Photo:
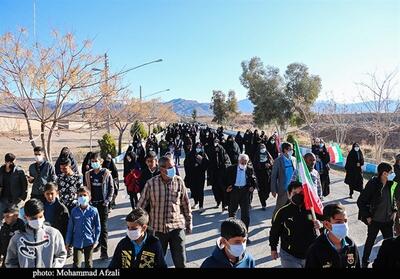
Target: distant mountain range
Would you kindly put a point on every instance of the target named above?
(185, 107)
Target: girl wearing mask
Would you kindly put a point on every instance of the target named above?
(196, 164)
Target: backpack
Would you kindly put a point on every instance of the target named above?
(132, 181)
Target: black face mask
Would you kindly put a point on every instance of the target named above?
(298, 199)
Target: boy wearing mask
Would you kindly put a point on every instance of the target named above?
(334, 248)
(140, 248)
(83, 229)
(36, 245)
(231, 247)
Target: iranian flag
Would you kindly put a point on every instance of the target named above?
(335, 153)
(311, 199)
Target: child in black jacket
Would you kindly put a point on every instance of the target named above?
(55, 213)
(139, 249)
(333, 248)
(11, 225)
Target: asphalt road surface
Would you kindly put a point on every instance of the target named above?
(201, 242)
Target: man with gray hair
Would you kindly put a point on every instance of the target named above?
(310, 159)
(241, 182)
(170, 213)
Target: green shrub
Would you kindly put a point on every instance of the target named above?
(107, 146)
(138, 128)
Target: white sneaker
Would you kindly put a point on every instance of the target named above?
(194, 206)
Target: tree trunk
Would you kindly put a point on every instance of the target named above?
(121, 133)
(28, 123)
(91, 137)
(53, 126)
(43, 139)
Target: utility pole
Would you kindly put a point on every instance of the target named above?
(108, 93)
(140, 92)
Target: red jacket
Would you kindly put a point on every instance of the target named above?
(132, 181)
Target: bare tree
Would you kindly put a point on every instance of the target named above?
(157, 112)
(49, 83)
(123, 113)
(337, 117)
(382, 105)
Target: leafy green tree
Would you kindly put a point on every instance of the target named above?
(280, 101)
(218, 105)
(194, 115)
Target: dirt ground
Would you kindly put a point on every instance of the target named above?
(78, 142)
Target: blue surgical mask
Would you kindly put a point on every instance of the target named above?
(95, 165)
(83, 200)
(237, 250)
(391, 176)
(340, 230)
(171, 172)
(198, 150)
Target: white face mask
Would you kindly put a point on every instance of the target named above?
(242, 167)
(357, 148)
(215, 143)
(36, 224)
(263, 150)
(133, 234)
(39, 158)
(290, 153)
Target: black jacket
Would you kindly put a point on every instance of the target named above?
(195, 171)
(61, 217)
(230, 177)
(323, 154)
(294, 226)
(110, 165)
(353, 172)
(19, 189)
(371, 196)
(146, 175)
(389, 254)
(233, 150)
(271, 147)
(218, 157)
(6, 233)
(151, 255)
(322, 255)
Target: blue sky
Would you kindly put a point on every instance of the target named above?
(203, 42)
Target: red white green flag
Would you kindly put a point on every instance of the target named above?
(311, 199)
(335, 153)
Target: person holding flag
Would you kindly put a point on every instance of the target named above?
(311, 199)
(334, 248)
(293, 224)
(310, 159)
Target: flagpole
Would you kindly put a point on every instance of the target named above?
(314, 218)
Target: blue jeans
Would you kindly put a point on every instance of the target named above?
(289, 261)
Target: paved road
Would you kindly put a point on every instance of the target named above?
(201, 242)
